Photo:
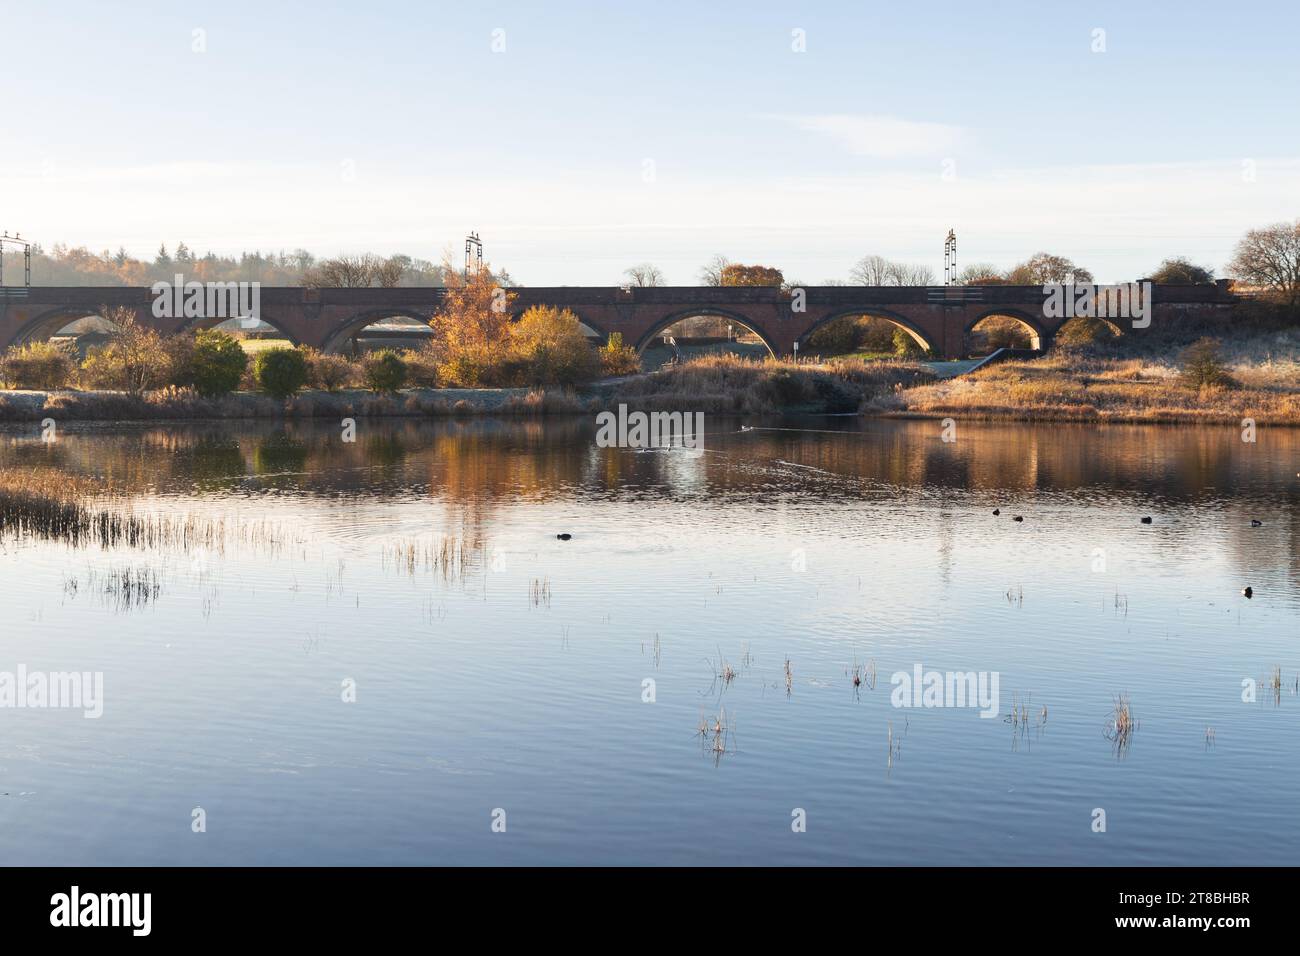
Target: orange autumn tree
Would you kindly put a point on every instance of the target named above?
(471, 328)
(548, 348)
(733, 273)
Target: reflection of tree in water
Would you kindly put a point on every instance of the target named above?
(279, 460)
(477, 467)
(385, 450)
(474, 467)
(215, 461)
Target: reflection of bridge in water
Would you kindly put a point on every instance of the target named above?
(475, 468)
(938, 318)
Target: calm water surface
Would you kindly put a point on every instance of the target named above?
(511, 675)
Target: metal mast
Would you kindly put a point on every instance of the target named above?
(16, 240)
(473, 246)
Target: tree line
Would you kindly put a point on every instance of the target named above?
(78, 266)
(1266, 260)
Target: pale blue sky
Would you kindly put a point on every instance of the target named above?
(658, 131)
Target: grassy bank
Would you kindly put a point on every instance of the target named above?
(1077, 388)
(1255, 374)
(185, 404)
(717, 383)
(726, 384)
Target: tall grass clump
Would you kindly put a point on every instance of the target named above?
(79, 511)
(1120, 725)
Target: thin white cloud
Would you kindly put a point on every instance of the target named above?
(881, 137)
(58, 173)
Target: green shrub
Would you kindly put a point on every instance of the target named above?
(907, 347)
(216, 363)
(384, 371)
(37, 365)
(836, 337)
(852, 333)
(1203, 365)
(877, 335)
(280, 372)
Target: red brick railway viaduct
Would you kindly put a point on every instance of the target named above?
(327, 319)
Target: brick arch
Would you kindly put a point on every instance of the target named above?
(336, 338)
(195, 324)
(739, 318)
(45, 325)
(1041, 336)
(1115, 329)
(907, 325)
(601, 334)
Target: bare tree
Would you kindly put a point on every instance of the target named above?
(388, 272)
(903, 273)
(877, 270)
(300, 260)
(1270, 257)
(711, 273)
(981, 273)
(344, 272)
(644, 275)
(871, 270)
(356, 272)
(1043, 268)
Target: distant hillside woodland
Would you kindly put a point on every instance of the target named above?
(63, 265)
